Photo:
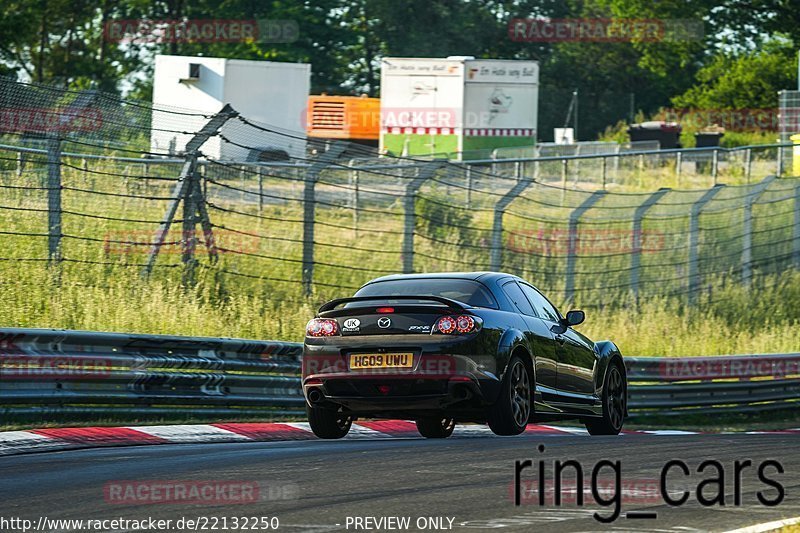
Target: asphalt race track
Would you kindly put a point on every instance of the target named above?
(316, 485)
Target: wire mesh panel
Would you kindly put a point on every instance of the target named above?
(109, 209)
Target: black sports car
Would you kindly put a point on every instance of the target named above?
(479, 347)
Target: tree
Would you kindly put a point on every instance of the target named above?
(743, 81)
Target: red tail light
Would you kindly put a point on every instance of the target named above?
(383, 310)
(465, 324)
(460, 324)
(446, 325)
(322, 327)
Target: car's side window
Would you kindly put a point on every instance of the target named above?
(543, 308)
(516, 295)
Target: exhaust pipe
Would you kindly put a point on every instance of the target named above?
(314, 396)
(462, 393)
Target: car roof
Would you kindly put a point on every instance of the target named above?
(474, 276)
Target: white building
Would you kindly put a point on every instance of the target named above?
(457, 104)
(268, 93)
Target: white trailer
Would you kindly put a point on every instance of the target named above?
(457, 105)
(269, 93)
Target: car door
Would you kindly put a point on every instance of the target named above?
(539, 336)
(575, 356)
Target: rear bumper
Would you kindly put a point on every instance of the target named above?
(374, 394)
(444, 374)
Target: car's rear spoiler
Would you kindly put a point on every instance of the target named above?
(453, 304)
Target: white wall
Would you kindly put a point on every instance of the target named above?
(270, 93)
(204, 96)
(502, 94)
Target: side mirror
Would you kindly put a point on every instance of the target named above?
(575, 317)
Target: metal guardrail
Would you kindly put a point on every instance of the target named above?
(61, 372)
(669, 386)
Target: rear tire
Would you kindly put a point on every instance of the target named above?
(436, 428)
(327, 423)
(509, 415)
(614, 404)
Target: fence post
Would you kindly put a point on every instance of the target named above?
(747, 237)
(604, 172)
(309, 209)
(409, 212)
(184, 187)
(780, 161)
(469, 187)
(188, 235)
(748, 154)
(694, 235)
(54, 199)
(636, 245)
(496, 249)
(354, 197)
(260, 189)
(20, 164)
(678, 165)
(518, 170)
(714, 165)
(572, 243)
(796, 229)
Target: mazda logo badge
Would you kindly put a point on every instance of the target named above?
(384, 322)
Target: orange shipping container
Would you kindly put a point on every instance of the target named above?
(343, 117)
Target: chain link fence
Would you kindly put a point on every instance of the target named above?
(93, 202)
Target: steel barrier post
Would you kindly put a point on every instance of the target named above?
(747, 236)
(496, 249)
(694, 235)
(572, 243)
(54, 199)
(409, 212)
(309, 209)
(780, 161)
(636, 245)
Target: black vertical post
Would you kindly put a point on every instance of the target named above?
(54, 199)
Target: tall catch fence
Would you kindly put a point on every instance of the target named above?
(86, 196)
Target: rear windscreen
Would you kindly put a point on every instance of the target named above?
(462, 290)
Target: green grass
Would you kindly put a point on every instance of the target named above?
(762, 321)
(241, 296)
